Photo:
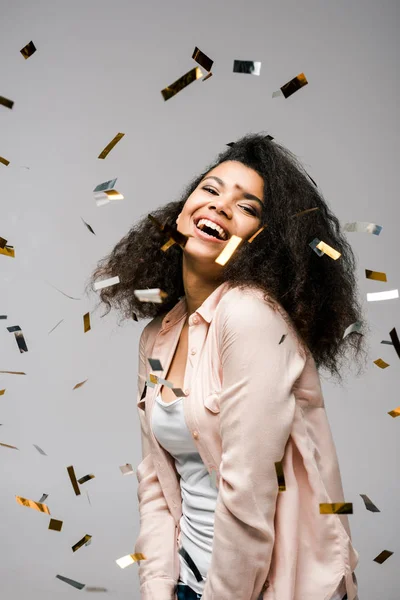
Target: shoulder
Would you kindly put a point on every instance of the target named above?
(151, 329)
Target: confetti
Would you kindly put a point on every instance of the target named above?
(106, 185)
(176, 235)
(384, 555)
(190, 563)
(88, 226)
(282, 339)
(78, 385)
(43, 498)
(155, 364)
(95, 589)
(314, 245)
(54, 287)
(156, 380)
(55, 326)
(354, 327)
(28, 50)
(207, 76)
(179, 393)
(291, 86)
(256, 234)
(86, 322)
(326, 249)
(55, 525)
(181, 83)
(104, 192)
(8, 251)
(81, 542)
(75, 584)
(40, 450)
(85, 478)
(14, 372)
(203, 60)
(6, 102)
(362, 227)
(111, 145)
(376, 296)
(19, 336)
(395, 340)
(304, 212)
(342, 508)
(2, 392)
(71, 473)
(126, 469)
(395, 412)
(381, 363)
(155, 295)
(280, 475)
(32, 504)
(250, 67)
(369, 505)
(228, 250)
(125, 561)
(8, 446)
(3, 243)
(99, 285)
(376, 275)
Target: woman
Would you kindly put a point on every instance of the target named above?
(244, 342)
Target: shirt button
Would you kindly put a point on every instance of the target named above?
(193, 351)
(195, 435)
(195, 320)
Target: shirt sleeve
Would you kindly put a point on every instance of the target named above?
(256, 414)
(157, 536)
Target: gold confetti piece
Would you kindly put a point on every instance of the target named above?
(369, 505)
(71, 473)
(203, 60)
(282, 338)
(78, 385)
(85, 478)
(40, 450)
(8, 446)
(228, 250)
(2, 392)
(155, 380)
(168, 244)
(28, 50)
(181, 83)
(86, 322)
(19, 336)
(6, 102)
(381, 363)
(95, 589)
(155, 295)
(177, 236)
(111, 145)
(99, 285)
(81, 542)
(389, 295)
(362, 227)
(155, 364)
(72, 582)
(125, 561)
(256, 234)
(342, 508)
(113, 195)
(88, 226)
(14, 372)
(326, 249)
(250, 67)
(376, 275)
(126, 469)
(395, 412)
(43, 498)
(304, 212)
(8, 251)
(55, 525)
(3, 242)
(55, 326)
(32, 504)
(207, 76)
(280, 475)
(354, 327)
(384, 555)
(395, 340)
(291, 86)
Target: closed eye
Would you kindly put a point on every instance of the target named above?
(249, 209)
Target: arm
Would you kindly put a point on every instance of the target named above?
(256, 414)
(157, 537)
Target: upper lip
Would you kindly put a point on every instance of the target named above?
(216, 221)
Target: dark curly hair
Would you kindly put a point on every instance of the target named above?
(318, 293)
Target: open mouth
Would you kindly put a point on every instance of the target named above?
(211, 230)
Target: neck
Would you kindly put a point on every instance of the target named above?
(197, 287)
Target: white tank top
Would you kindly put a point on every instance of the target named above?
(199, 496)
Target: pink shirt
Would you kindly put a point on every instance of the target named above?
(251, 402)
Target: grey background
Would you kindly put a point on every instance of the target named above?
(98, 70)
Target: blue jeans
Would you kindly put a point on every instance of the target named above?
(185, 592)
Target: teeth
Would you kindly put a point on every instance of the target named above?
(221, 232)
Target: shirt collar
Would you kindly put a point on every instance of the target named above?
(206, 310)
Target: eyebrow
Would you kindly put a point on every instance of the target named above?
(245, 194)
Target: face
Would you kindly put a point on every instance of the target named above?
(231, 195)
